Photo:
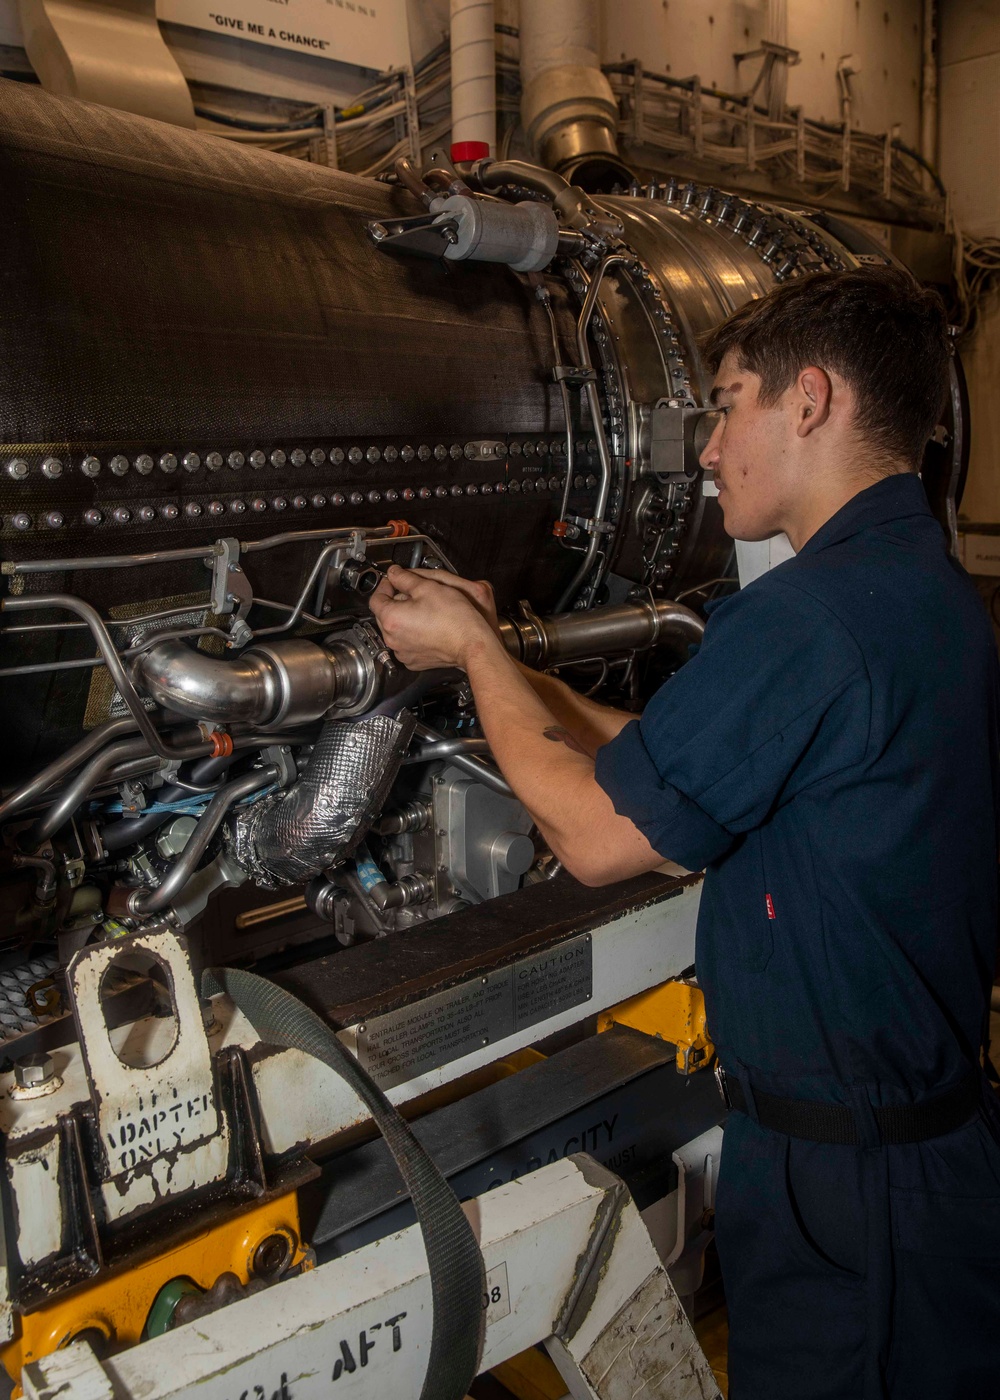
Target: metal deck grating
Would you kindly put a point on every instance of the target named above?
(16, 1014)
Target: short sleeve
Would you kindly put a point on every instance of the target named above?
(776, 698)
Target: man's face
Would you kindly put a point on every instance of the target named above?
(748, 455)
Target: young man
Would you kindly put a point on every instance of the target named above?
(830, 758)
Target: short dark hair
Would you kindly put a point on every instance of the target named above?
(876, 327)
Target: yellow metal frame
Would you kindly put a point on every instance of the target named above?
(674, 1011)
(531, 1376)
(116, 1307)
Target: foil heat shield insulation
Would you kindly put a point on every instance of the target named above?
(290, 836)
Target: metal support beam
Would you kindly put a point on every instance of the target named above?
(569, 1264)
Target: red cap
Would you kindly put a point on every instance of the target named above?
(470, 150)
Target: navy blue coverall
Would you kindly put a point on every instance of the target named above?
(830, 757)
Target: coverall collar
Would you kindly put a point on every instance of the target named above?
(893, 498)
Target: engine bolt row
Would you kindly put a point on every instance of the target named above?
(120, 465)
(193, 510)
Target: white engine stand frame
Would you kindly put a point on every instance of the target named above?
(569, 1264)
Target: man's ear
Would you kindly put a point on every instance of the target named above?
(812, 393)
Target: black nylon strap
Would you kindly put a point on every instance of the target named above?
(835, 1124)
(454, 1259)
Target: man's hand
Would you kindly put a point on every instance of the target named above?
(431, 618)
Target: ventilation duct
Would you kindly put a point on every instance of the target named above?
(567, 107)
(473, 76)
(110, 52)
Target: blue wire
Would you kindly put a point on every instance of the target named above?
(368, 872)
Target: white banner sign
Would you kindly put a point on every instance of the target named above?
(368, 33)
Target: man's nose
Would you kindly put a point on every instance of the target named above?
(709, 458)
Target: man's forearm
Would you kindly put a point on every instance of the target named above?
(552, 774)
(589, 723)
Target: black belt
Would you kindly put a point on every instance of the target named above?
(836, 1124)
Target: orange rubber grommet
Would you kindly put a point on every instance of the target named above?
(222, 743)
(399, 528)
(559, 529)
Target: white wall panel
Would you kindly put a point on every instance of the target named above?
(361, 32)
(970, 141)
(683, 37)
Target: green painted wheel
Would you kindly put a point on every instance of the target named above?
(161, 1314)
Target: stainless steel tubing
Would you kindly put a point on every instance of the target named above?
(447, 748)
(594, 403)
(482, 772)
(340, 532)
(546, 301)
(153, 901)
(122, 751)
(606, 631)
(172, 556)
(105, 561)
(322, 559)
(60, 767)
(130, 830)
(91, 662)
(106, 646)
(494, 173)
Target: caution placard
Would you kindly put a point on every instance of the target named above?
(369, 33)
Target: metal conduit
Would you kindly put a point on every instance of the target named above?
(154, 901)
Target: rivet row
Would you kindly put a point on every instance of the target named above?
(168, 462)
(193, 510)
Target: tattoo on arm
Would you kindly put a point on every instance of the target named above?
(559, 735)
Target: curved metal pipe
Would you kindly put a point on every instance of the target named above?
(132, 829)
(291, 681)
(27, 601)
(91, 774)
(64, 764)
(475, 767)
(408, 177)
(492, 173)
(322, 559)
(447, 748)
(153, 901)
(226, 689)
(614, 629)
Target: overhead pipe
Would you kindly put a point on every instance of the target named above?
(568, 110)
(929, 91)
(114, 54)
(473, 79)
